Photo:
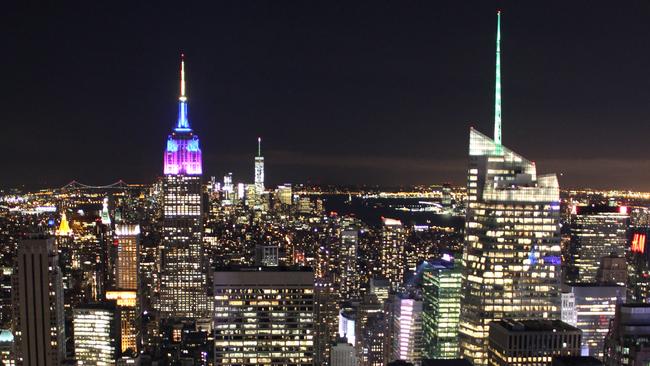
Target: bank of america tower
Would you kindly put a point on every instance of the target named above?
(512, 238)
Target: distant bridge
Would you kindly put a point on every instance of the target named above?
(120, 184)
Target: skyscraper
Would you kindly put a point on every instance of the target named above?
(594, 305)
(263, 317)
(126, 277)
(407, 329)
(531, 342)
(628, 339)
(259, 168)
(392, 252)
(596, 232)
(183, 292)
(38, 305)
(512, 239)
(441, 309)
(348, 263)
(96, 334)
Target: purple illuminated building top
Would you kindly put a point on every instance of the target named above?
(183, 154)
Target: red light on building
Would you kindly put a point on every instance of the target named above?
(638, 243)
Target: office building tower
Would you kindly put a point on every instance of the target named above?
(512, 239)
(343, 354)
(326, 319)
(372, 335)
(628, 339)
(284, 194)
(380, 287)
(127, 310)
(441, 309)
(594, 307)
(267, 255)
(638, 279)
(393, 236)
(406, 328)
(531, 342)
(349, 277)
(613, 270)
(263, 317)
(183, 276)
(348, 324)
(259, 168)
(126, 238)
(596, 232)
(38, 304)
(568, 312)
(96, 334)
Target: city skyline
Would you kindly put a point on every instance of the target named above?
(397, 91)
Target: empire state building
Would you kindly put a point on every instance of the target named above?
(183, 292)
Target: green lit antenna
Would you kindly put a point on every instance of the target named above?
(497, 89)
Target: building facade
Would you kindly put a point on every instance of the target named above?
(594, 305)
(393, 237)
(96, 334)
(263, 317)
(531, 342)
(628, 340)
(596, 232)
(441, 309)
(38, 305)
(407, 329)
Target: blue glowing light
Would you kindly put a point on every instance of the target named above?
(532, 257)
(552, 259)
(555, 206)
(193, 145)
(50, 222)
(183, 123)
(172, 145)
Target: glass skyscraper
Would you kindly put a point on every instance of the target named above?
(183, 292)
(441, 309)
(511, 261)
(512, 244)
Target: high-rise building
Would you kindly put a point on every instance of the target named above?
(392, 256)
(126, 236)
(259, 168)
(638, 279)
(183, 292)
(349, 279)
(343, 354)
(7, 348)
(441, 309)
(628, 339)
(263, 317)
(127, 311)
(407, 329)
(594, 305)
(512, 239)
(38, 305)
(96, 334)
(531, 342)
(613, 270)
(596, 232)
(372, 340)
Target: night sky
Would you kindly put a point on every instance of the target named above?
(377, 92)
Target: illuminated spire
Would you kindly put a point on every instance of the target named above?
(182, 125)
(64, 227)
(497, 89)
(259, 146)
